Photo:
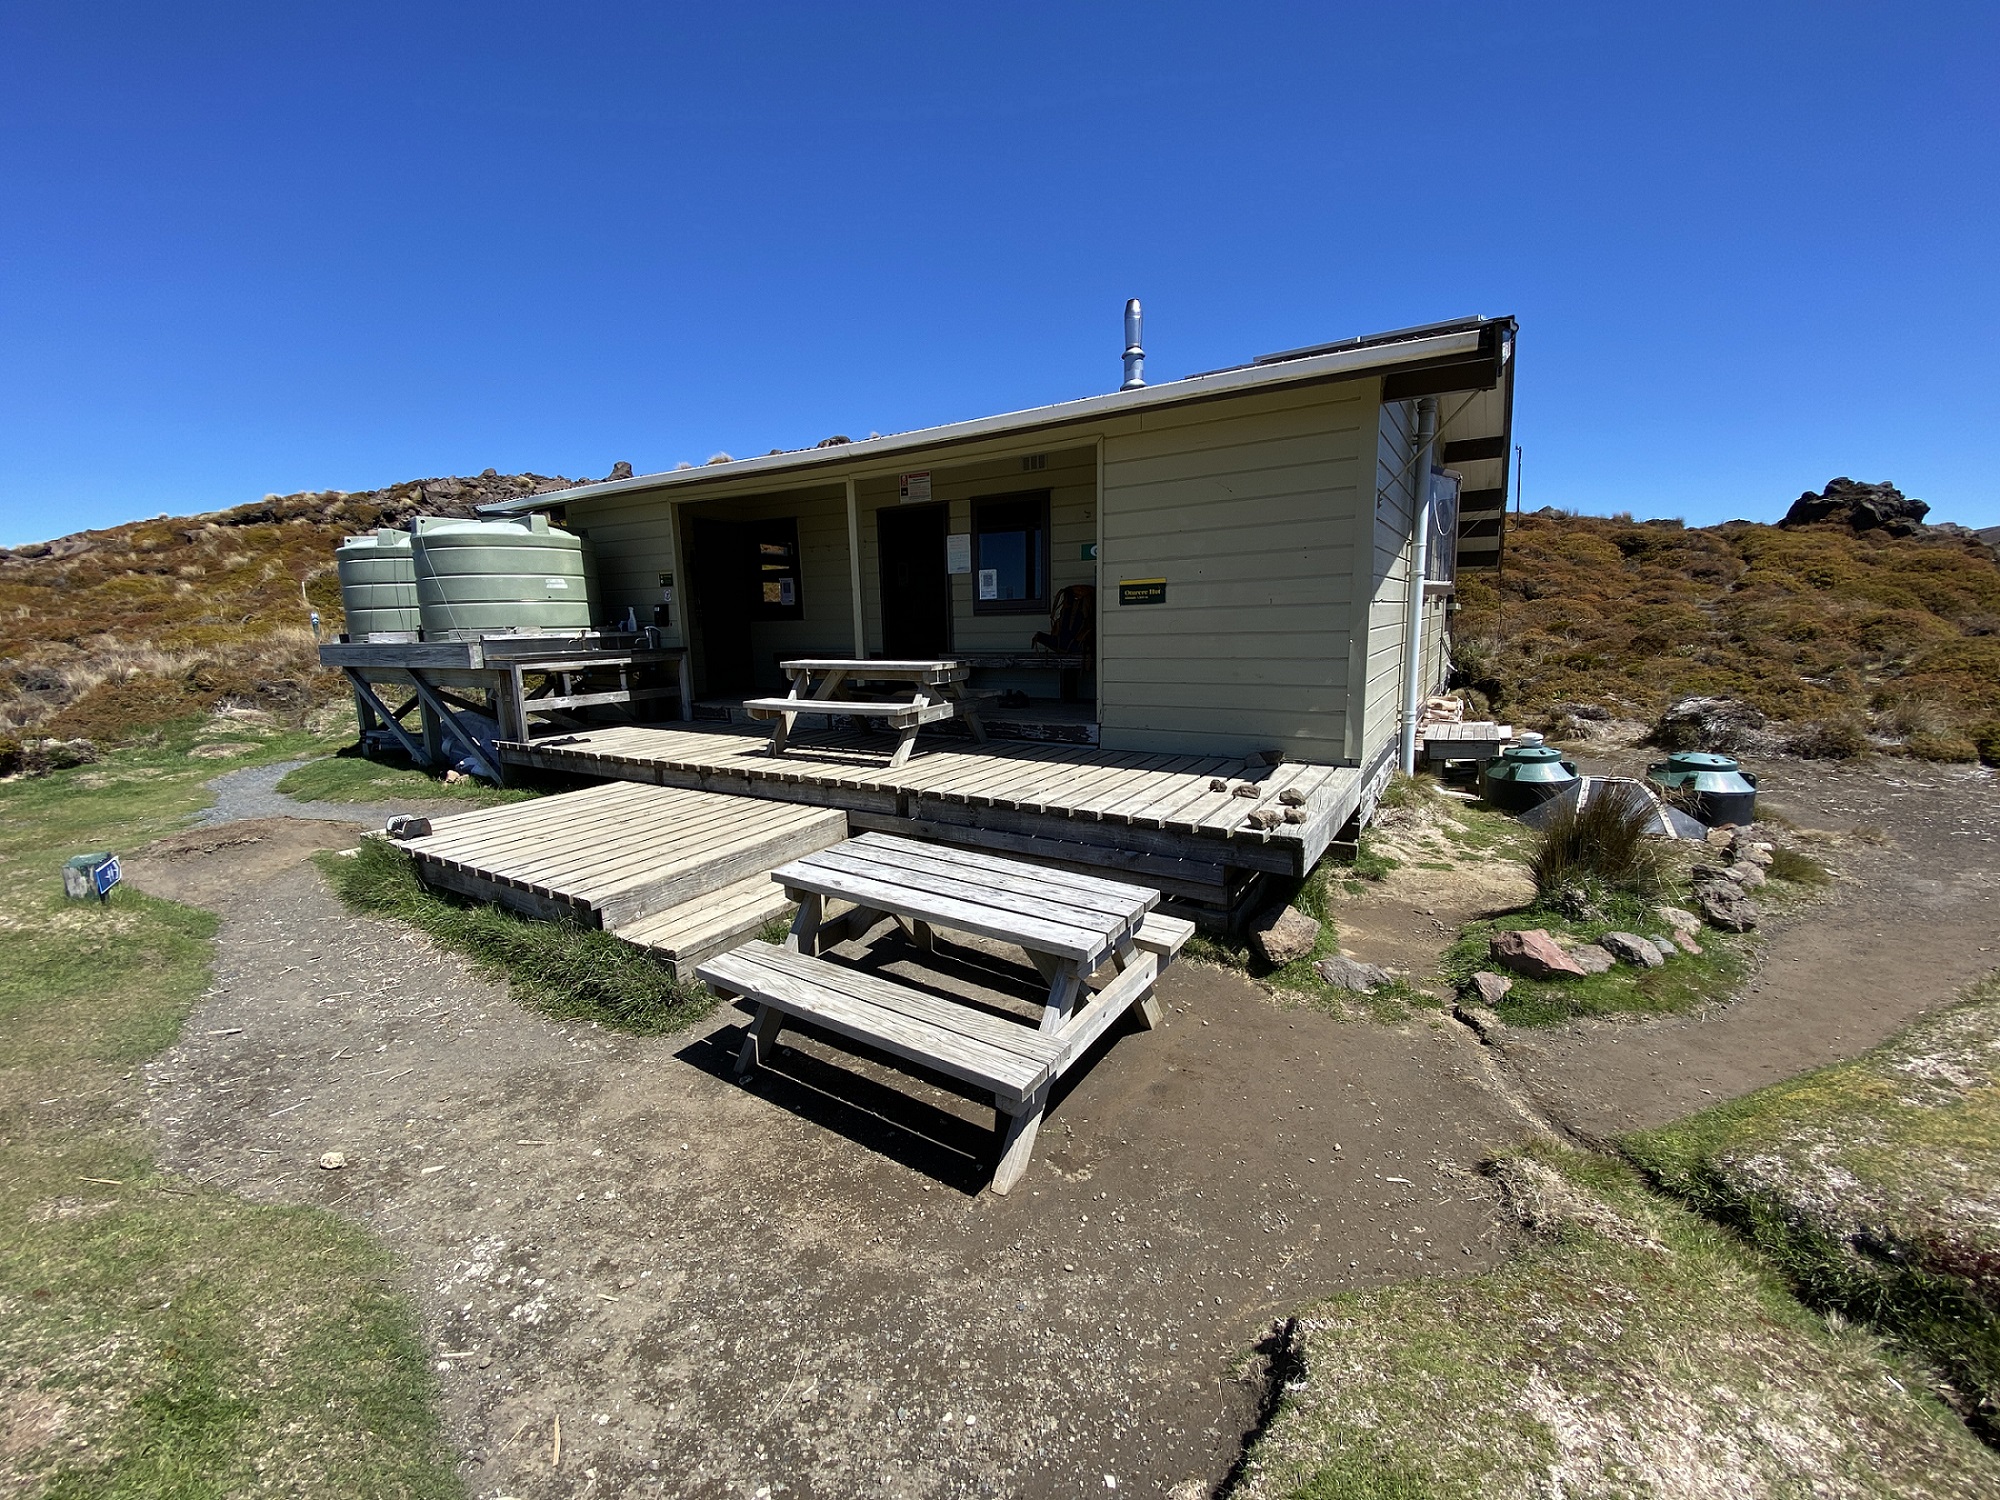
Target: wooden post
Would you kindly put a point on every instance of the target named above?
(854, 572)
(1017, 1139)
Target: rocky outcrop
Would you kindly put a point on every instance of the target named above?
(1859, 507)
(1726, 726)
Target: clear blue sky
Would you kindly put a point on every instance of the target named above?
(277, 247)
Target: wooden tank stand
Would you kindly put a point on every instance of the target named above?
(525, 683)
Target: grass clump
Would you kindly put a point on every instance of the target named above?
(349, 776)
(1686, 981)
(1629, 1348)
(563, 970)
(1600, 845)
(1798, 869)
(1870, 1183)
(159, 1337)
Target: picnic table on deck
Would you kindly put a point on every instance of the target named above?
(1076, 929)
(937, 691)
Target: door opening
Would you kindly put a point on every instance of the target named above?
(724, 575)
(916, 589)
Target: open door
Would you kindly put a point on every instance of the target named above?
(916, 589)
(723, 574)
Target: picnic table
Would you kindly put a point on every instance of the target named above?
(936, 690)
(1098, 944)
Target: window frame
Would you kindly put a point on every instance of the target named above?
(1038, 605)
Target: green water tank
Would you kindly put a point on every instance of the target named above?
(481, 577)
(378, 583)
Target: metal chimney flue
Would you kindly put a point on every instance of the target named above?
(1135, 356)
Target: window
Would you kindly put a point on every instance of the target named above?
(1441, 555)
(779, 596)
(1010, 554)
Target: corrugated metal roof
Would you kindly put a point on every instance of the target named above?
(1432, 344)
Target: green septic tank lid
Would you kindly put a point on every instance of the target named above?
(1529, 760)
(1692, 761)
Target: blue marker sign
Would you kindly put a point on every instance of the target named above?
(105, 876)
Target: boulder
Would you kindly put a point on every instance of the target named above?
(1687, 942)
(1632, 949)
(1746, 875)
(1488, 988)
(1533, 953)
(1347, 974)
(1678, 919)
(1282, 934)
(1724, 905)
(1859, 507)
(1760, 855)
(1666, 947)
(1592, 958)
(1726, 725)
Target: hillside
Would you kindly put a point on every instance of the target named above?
(105, 634)
(1823, 639)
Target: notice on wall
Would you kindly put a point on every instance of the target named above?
(989, 583)
(1089, 552)
(958, 553)
(1142, 591)
(914, 489)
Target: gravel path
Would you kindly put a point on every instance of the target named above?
(253, 793)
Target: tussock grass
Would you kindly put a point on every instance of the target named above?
(1629, 1348)
(1870, 1184)
(1798, 869)
(1601, 846)
(561, 969)
(159, 1337)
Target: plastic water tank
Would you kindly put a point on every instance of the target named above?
(477, 577)
(378, 583)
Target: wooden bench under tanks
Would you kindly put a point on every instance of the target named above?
(1076, 929)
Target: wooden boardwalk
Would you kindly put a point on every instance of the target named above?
(662, 866)
(1155, 818)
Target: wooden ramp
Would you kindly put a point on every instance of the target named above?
(686, 873)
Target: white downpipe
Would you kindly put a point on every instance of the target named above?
(1420, 546)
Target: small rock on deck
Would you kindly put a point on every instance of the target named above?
(683, 872)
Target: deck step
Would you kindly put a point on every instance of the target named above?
(684, 935)
(610, 855)
(1010, 1059)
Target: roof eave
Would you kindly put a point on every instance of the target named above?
(1339, 364)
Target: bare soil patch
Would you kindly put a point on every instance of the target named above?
(801, 1283)
(1912, 923)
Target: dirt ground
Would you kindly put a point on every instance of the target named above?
(799, 1287)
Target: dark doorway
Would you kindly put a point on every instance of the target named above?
(723, 571)
(916, 590)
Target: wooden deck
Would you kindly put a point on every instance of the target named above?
(659, 865)
(1154, 818)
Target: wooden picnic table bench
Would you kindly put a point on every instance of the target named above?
(1076, 929)
(936, 691)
